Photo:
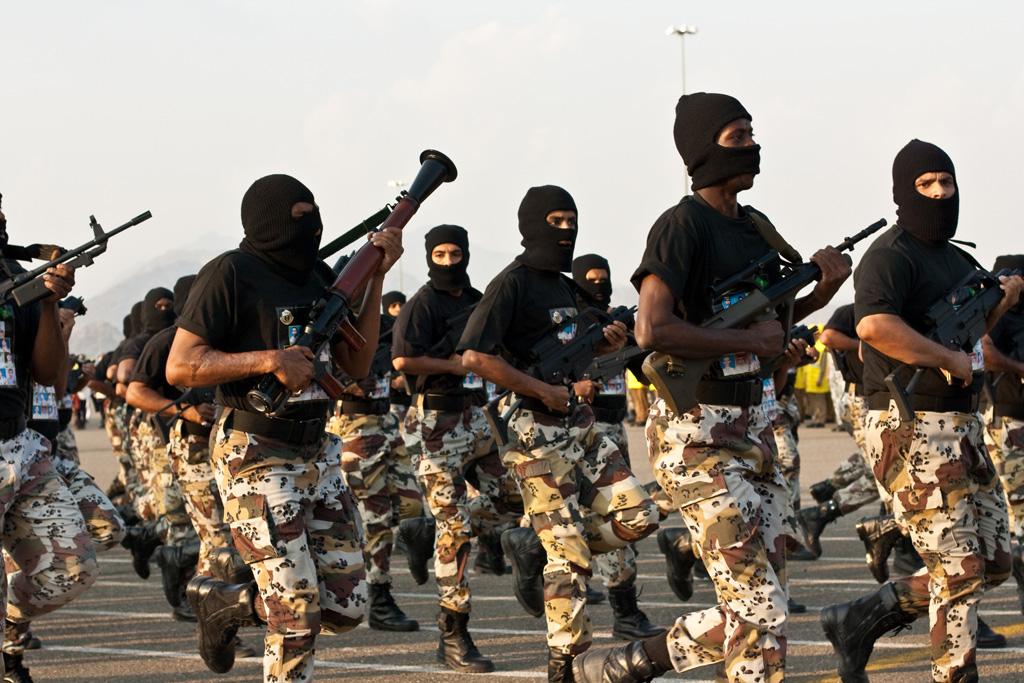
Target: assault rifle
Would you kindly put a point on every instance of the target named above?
(26, 288)
(957, 321)
(352, 234)
(676, 379)
(805, 334)
(558, 363)
(613, 364)
(332, 313)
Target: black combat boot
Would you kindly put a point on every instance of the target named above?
(385, 615)
(221, 609)
(1018, 574)
(418, 537)
(183, 611)
(528, 558)
(853, 628)
(823, 491)
(674, 544)
(595, 596)
(177, 566)
(14, 670)
(878, 535)
(794, 607)
(905, 558)
(142, 541)
(989, 639)
(228, 566)
(968, 674)
(455, 648)
(18, 636)
(814, 520)
(490, 558)
(559, 667)
(630, 623)
(626, 664)
(128, 515)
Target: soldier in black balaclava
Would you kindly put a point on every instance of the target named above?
(703, 239)
(953, 510)
(391, 303)
(244, 312)
(155, 312)
(531, 302)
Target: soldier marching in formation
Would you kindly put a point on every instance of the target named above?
(418, 426)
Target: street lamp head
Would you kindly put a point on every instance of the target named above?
(683, 30)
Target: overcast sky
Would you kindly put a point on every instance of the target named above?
(114, 107)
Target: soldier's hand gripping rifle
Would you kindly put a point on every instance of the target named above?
(26, 288)
(558, 363)
(958, 322)
(333, 313)
(676, 379)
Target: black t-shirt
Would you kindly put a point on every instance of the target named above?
(521, 306)
(691, 248)
(421, 325)
(902, 275)
(151, 367)
(238, 303)
(843, 321)
(101, 366)
(132, 347)
(1008, 337)
(18, 326)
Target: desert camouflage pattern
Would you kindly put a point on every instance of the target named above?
(618, 567)
(443, 446)
(945, 490)
(380, 476)
(48, 554)
(784, 426)
(582, 500)
(295, 523)
(190, 464)
(854, 480)
(173, 523)
(718, 466)
(139, 442)
(1005, 438)
(106, 528)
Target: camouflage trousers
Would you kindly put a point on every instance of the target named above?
(297, 526)
(618, 567)
(855, 482)
(106, 528)
(443, 446)
(784, 427)
(381, 478)
(137, 449)
(112, 427)
(173, 523)
(1005, 437)
(946, 493)
(190, 464)
(717, 464)
(48, 555)
(582, 500)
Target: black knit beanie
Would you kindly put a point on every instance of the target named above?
(541, 239)
(932, 220)
(272, 234)
(448, 278)
(597, 294)
(700, 117)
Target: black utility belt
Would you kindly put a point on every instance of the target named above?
(741, 393)
(1014, 411)
(297, 432)
(536, 405)
(608, 415)
(362, 406)
(400, 399)
(929, 404)
(452, 403)
(193, 429)
(11, 428)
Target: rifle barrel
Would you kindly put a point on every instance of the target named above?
(352, 234)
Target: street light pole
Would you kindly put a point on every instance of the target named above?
(683, 31)
(399, 185)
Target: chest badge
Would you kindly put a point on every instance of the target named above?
(286, 317)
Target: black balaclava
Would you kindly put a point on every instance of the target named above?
(389, 298)
(541, 239)
(136, 318)
(932, 220)
(596, 294)
(448, 278)
(700, 117)
(288, 244)
(181, 290)
(126, 326)
(153, 319)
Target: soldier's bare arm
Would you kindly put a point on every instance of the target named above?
(890, 335)
(496, 369)
(834, 339)
(997, 361)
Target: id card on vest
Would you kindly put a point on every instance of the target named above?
(44, 402)
(8, 373)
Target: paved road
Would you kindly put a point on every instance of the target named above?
(121, 631)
